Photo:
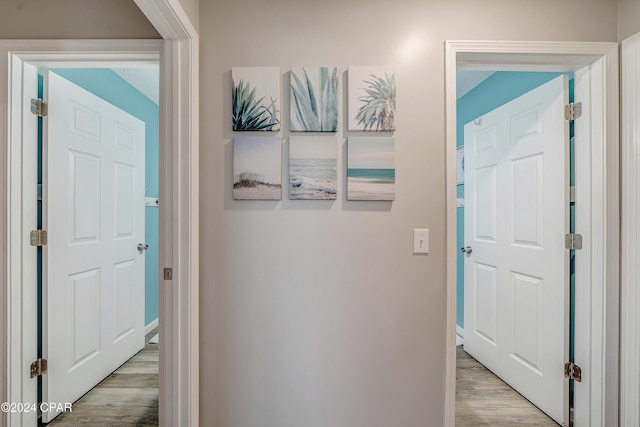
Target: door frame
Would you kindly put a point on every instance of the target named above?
(597, 169)
(179, 212)
(630, 328)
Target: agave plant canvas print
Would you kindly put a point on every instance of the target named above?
(372, 99)
(314, 99)
(312, 168)
(257, 168)
(255, 98)
(371, 172)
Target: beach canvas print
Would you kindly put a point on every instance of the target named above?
(372, 99)
(257, 168)
(312, 168)
(371, 173)
(314, 99)
(255, 98)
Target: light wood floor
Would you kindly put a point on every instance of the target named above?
(482, 399)
(128, 397)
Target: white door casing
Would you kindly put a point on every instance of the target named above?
(93, 211)
(516, 216)
(597, 209)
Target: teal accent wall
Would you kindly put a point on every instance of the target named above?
(112, 88)
(500, 88)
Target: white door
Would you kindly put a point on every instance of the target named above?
(516, 217)
(93, 210)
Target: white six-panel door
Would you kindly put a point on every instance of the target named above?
(516, 217)
(93, 209)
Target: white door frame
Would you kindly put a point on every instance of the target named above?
(597, 168)
(630, 140)
(179, 220)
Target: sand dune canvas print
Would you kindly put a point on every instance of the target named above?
(255, 98)
(372, 99)
(312, 168)
(371, 173)
(314, 99)
(257, 168)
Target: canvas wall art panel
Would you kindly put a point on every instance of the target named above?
(312, 168)
(257, 168)
(314, 99)
(255, 98)
(371, 172)
(372, 99)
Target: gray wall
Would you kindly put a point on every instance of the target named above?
(192, 8)
(60, 19)
(628, 18)
(317, 314)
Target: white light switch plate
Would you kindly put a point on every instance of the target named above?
(420, 241)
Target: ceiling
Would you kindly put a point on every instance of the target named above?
(146, 80)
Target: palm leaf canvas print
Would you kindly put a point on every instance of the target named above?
(372, 99)
(257, 168)
(312, 168)
(255, 98)
(314, 99)
(371, 171)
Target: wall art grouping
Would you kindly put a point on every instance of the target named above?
(314, 97)
(313, 163)
(313, 160)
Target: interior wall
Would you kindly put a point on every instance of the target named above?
(317, 313)
(628, 18)
(192, 9)
(107, 85)
(59, 19)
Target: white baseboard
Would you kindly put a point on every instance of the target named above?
(460, 331)
(151, 326)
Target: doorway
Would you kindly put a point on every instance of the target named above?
(512, 212)
(178, 188)
(595, 67)
(103, 123)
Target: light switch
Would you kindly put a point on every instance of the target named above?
(420, 241)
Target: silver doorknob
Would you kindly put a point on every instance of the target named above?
(142, 247)
(466, 250)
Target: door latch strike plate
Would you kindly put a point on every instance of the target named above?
(168, 274)
(38, 368)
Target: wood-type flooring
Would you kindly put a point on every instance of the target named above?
(127, 397)
(483, 399)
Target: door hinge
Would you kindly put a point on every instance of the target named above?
(39, 107)
(573, 241)
(168, 274)
(573, 111)
(38, 237)
(39, 367)
(572, 372)
(572, 194)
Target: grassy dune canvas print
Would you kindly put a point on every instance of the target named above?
(371, 172)
(312, 168)
(255, 98)
(257, 168)
(314, 99)
(372, 99)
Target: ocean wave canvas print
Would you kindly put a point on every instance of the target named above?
(314, 99)
(257, 168)
(371, 172)
(312, 168)
(372, 99)
(255, 98)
